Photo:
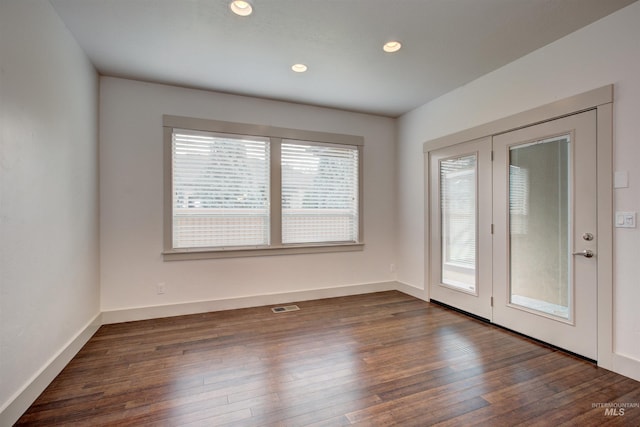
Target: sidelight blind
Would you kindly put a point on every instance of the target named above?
(220, 190)
(319, 193)
(458, 210)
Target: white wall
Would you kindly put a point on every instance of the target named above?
(49, 287)
(131, 201)
(605, 52)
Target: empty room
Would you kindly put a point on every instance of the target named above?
(327, 213)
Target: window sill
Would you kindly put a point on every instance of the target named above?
(205, 253)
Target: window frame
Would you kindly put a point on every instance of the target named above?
(276, 135)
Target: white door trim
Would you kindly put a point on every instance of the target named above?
(601, 100)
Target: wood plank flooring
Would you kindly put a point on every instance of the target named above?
(369, 360)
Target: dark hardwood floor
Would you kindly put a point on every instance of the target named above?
(370, 360)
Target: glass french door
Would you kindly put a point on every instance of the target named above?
(460, 189)
(545, 243)
(512, 230)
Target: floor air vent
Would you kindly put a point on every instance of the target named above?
(285, 308)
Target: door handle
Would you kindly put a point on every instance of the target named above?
(587, 253)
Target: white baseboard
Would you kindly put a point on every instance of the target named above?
(143, 313)
(20, 402)
(626, 366)
(411, 290)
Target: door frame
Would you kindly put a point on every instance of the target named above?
(600, 100)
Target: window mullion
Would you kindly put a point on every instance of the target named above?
(275, 201)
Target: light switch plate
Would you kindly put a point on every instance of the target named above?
(625, 219)
(621, 179)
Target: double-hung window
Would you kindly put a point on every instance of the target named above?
(245, 190)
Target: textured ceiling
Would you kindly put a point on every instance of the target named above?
(201, 44)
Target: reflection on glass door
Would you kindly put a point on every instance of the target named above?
(458, 222)
(539, 235)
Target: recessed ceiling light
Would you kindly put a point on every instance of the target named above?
(392, 46)
(241, 7)
(299, 68)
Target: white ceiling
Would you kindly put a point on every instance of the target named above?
(201, 44)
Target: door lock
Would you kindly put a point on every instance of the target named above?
(587, 236)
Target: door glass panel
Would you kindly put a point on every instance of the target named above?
(539, 234)
(458, 222)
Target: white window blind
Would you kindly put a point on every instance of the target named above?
(220, 190)
(319, 193)
(458, 221)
